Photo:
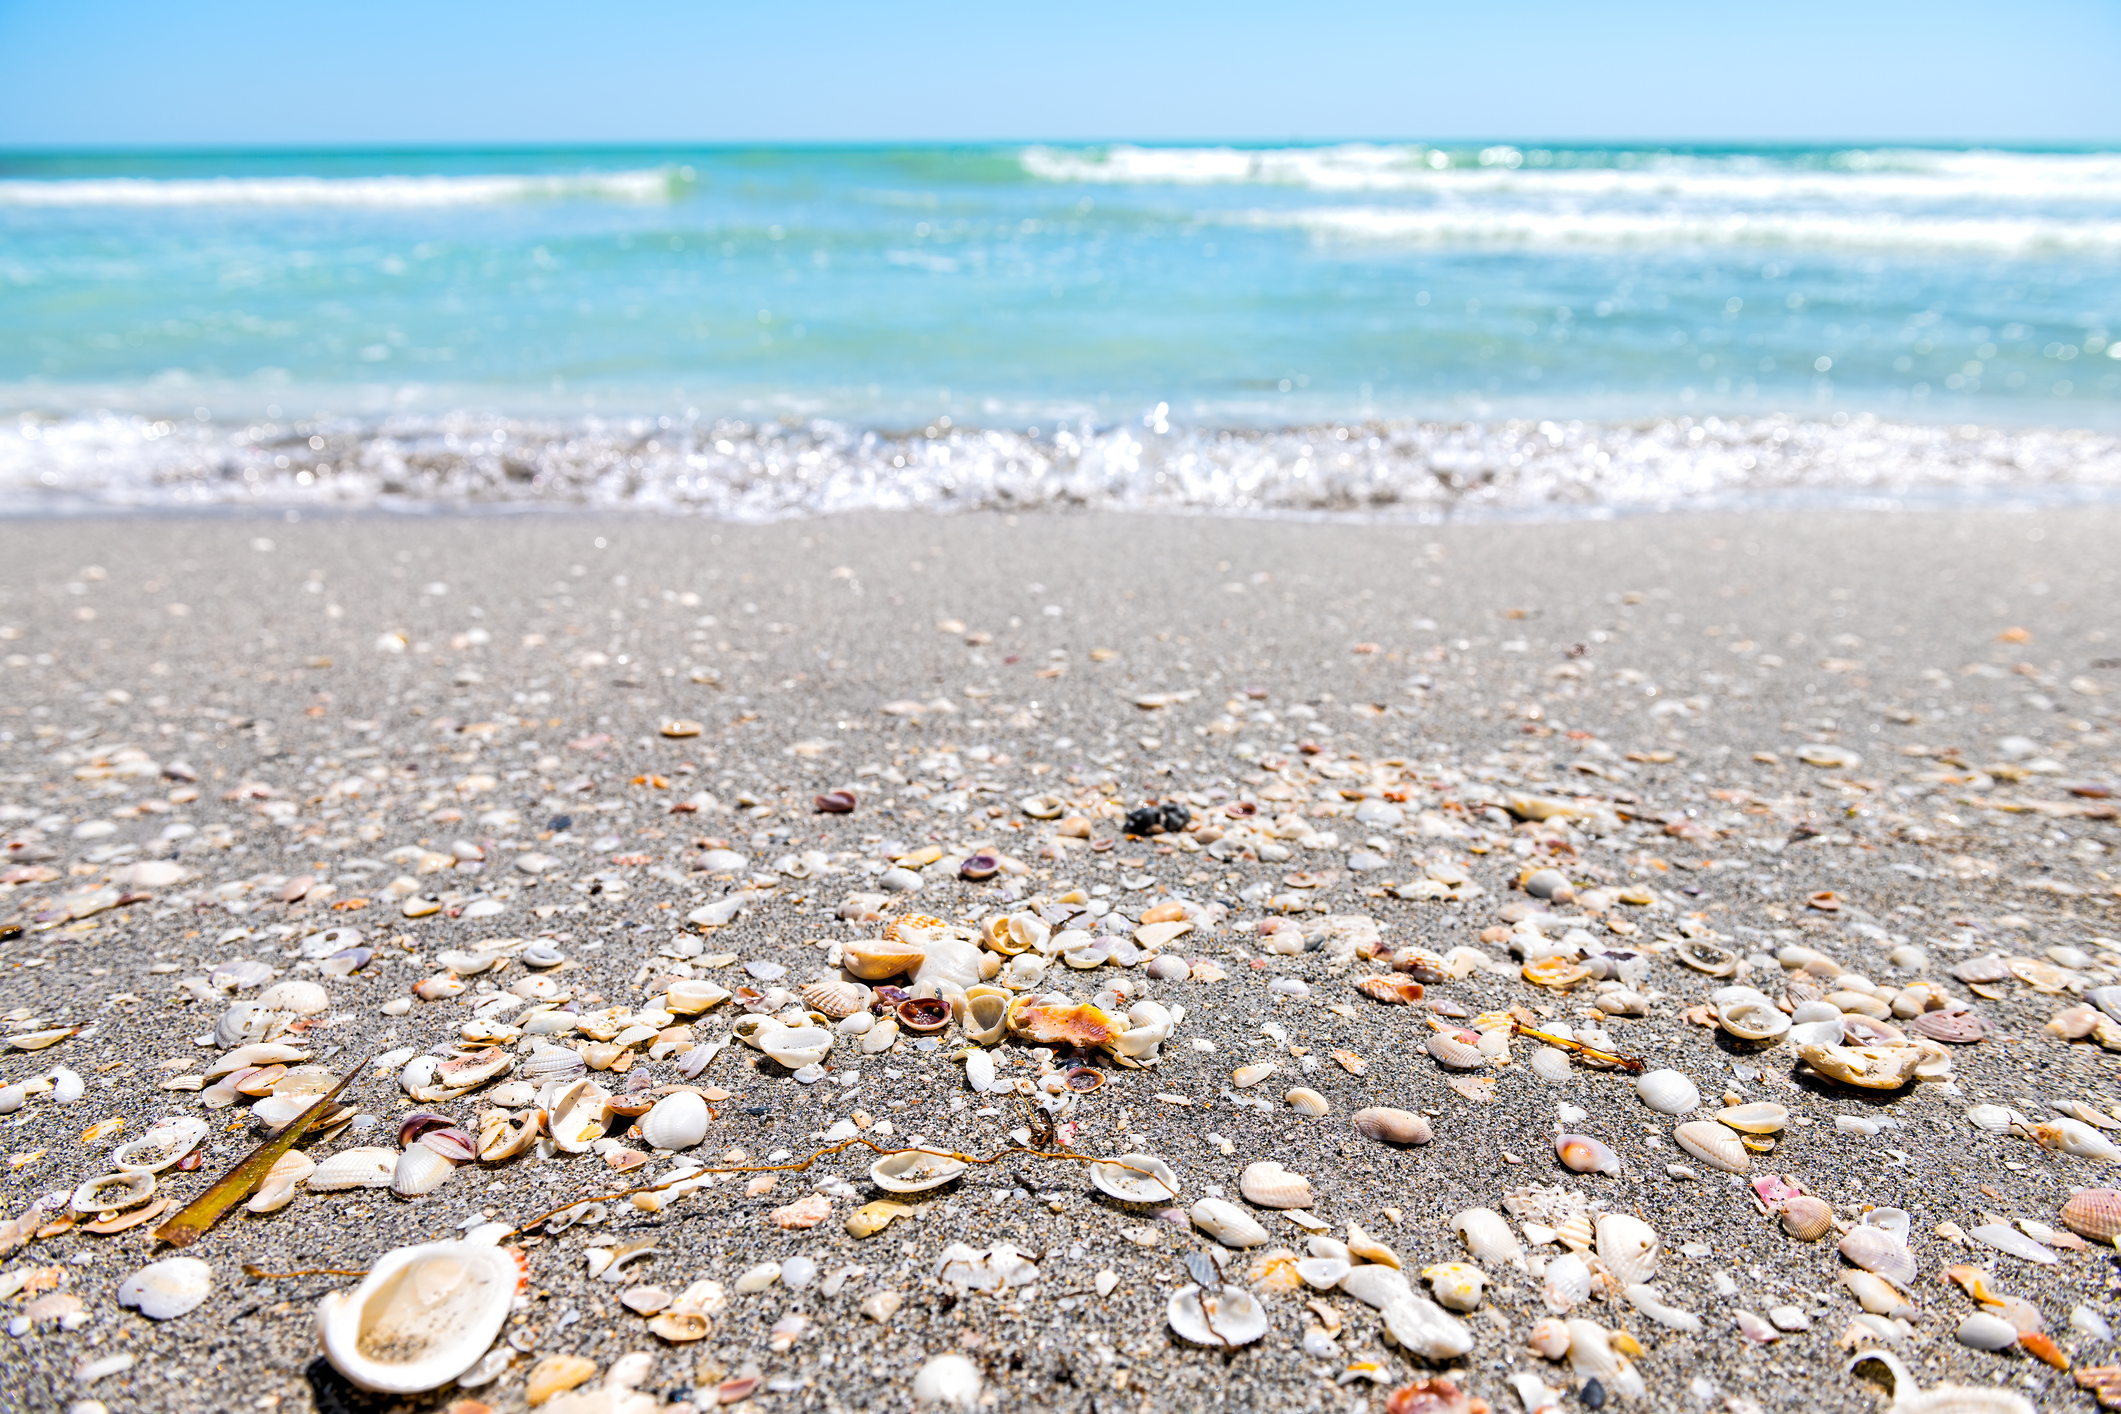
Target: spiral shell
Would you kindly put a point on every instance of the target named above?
(1752, 1021)
(1954, 1027)
(1714, 1145)
(1390, 1126)
(1668, 1092)
(1807, 1218)
(1585, 1154)
(2094, 1213)
(1488, 1237)
(1629, 1247)
(1270, 1185)
(837, 999)
(1454, 1053)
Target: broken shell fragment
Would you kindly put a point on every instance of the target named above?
(421, 1317)
(1136, 1178)
(1228, 1316)
(167, 1289)
(915, 1171)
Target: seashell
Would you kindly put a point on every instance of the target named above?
(1269, 1185)
(419, 1170)
(1623, 1003)
(1150, 1025)
(2014, 1243)
(1566, 1284)
(1585, 1154)
(466, 1072)
(1591, 1356)
(1549, 1338)
(1668, 1092)
(1227, 1223)
(1807, 1218)
(1228, 1316)
(2073, 1136)
(1876, 1250)
(679, 1327)
(1323, 1273)
(948, 1380)
(502, 1136)
(1759, 1117)
(914, 1171)
(1056, 1021)
(798, 1046)
(1395, 989)
(1456, 1285)
(692, 996)
(113, 1193)
(451, 1143)
(1647, 1300)
(1982, 1331)
(1752, 1021)
(986, 1017)
(1629, 1248)
(950, 962)
(1707, 958)
(164, 1290)
(302, 997)
(1361, 1244)
(1488, 1237)
(1910, 1398)
(1246, 1076)
(353, 1168)
(1551, 1063)
(872, 1218)
(878, 959)
(1873, 1293)
(837, 999)
(1559, 973)
(421, 1317)
(1870, 1067)
(165, 1142)
(1453, 1052)
(677, 1122)
(2094, 1213)
(1307, 1101)
(1714, 1145)
(277, 1189)
(1390, 1126)
(577, 1114)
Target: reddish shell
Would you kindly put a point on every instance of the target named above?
(1433, 1397)
(2094, 1213)
(836, 802)
(451, 1143)
(1080, 1024)
(2041, 1346)
(924, 1013)
(1396, 990)
(420, 1122)
(1958, 1028)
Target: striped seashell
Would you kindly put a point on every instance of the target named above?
(1629, 1247)
(1876, 1250)
(2094, 1213)
(548, 1065)
(1454, 1053)
(1714, 1145)
(1269, 1185)
(419, 1170)
(1807, 1218)
(1954, 1027)
(837, 999)
(1576, 1233)
(451, 1143)
(1668, 1092)
(353, 1168)
(1551, 1063)
(1394, 990)
(1567, 1282)
(1307, 1101)
(676, 1122)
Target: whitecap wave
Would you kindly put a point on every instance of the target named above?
(653, 185)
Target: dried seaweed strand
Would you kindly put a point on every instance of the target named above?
(801, 1164)
(191, 1224)
(258, 1273)
(1631, 1064)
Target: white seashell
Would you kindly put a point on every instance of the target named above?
(1323, 1273)
(165, 1142)
(2014, 1243)
(1227, 1223)
(1228, 1317)
(1629, 1248)
(949, 961)
(1911, 1398)
(1488, 1237)
(986, 1017)
(796, 1047)
(114, 1193)
(1668, 1092)
(1456, 1285)
(1713, 1145)
(276, 1111)
(277, 1189)
(914, 1171)
(1567, 1283)
(1270, 1185)
(577, 1114)
(1551, 1063)
(1981, 1331)
(422, 1316)
(880, 1037)
(164, 1290)
(1425, 1329)
(1307, 1101)
(419, 1170)
(1759, 1117)
(1993, 1118)
(980, 1071)
(855, 1025)
(1647, 1300)
(1119, 1177)
(1591, 1355)
(1897, 1221)
(300, 996)
(948, 1380)
(1872, 1292)
(548, 1065)
(677, 1122)
(757, 1278)
(353, 1168)
(1876, 1250)
(691, 996)
(1753, 1021)
(1246, 1076)
(2074, 1136)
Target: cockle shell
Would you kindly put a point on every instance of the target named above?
(2094, 1213)
(1876, 1250)
(1628, 1246)
(1585, 1154)
(1668, 1092)
(548, 1065)
(419, 1170)
(1395, 990)
(837, 999)
(1306, 1101)
(1270, 1185)
(167, 1289)
(1453, 1052)
(1488, 1237)
(1227, 1223)
(577, 1114)
(1550, 1063)
(114, 1192)
(1566, 1283)
(165, 1142)
(1807, 1218)
(422, 1316)
(1759, 1117)
(1390, 1126)
(914, 1171)
(677, 1122)
(1714, 1145)
(277, 1189)
(1229, 1316)
(353, 1168)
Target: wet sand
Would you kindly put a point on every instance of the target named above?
(399, 680)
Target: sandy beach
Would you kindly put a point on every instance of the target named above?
(470, 712)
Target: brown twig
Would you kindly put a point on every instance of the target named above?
(258, 1273)
(1631, 1064)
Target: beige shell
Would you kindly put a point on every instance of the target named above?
(1488, 1236)
(1454, 1054)
(986, 1014)
(421, 1317)
(1807, 1218)
(1752, 1020)
(367, 1167)
(277, 1189)
(2094, 1213)
(914, 1171)
(1227, 1223)
(577, 1115)
(1270, 1185)
(298, 995)
(1307, 1101)
(837, 999)
(1870, 1067)
(1876, 1250)
(114, 1192)
(1629, 1247)
(1713, 1145)
(1361, 1244)
(692, 996)
(878, 959)
(504, 1136)
(1759, 1117)
(1390, 1126)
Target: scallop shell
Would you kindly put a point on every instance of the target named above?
(1227, 1223)
(419, 1170)
(1753, 1021)
(1453, 1053)
(1585, 1154)
(421, 1317)
(677, 1122)
(837, 999)
(1488, 1237)
(1307, 1101)
(1668, 1092)
(1759, 1117)
(1551, 1063)
(1714, 1145)
(1876, 1250)
(1953, 1027)
(353, 1168)
(1629, 1248)
(165, 1142)
(2094, 1213)
(1229, 1316)
(1270, 1185)
(914, 1171)
(114, 1193)
(1118, 1177)
(164, 1290)
(1390, 1126)
(1807, 1218)
(577, 1114)
(986, 1017)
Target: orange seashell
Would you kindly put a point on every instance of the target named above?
(1062, 1023)
(1350, 1062)
(2041, 1347)
(1396, 991)
(1433, 1397)
(921, 922)
(1557, 972)
(2094, 1213)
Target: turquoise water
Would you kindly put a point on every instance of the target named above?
(163, 319)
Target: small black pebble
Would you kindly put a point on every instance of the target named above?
(1592, 1394)
(560, 822)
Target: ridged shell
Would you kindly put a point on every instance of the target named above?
(1118, 1176)
(353, 1168)
(1585, 1154)
(1567, 1282)
(1668, 1092)
(2094, 1213)
(1227, 1223)
(1393, 990)
(1488, 1237)
(1876, 1250)
(1759, 1117)
(1629, 1247)
(546, 1065)
(1454, 1054)
(419, 1170)
(837, 999)
(165, 1142)
(1270, 1185)
(1551, 1063)
(1227, 1317)
(1390, 1126)
(1713, 1145)
(1307, 1101)
(677, 1122)
(1956, 1028)
(914, 1171)
(421, 1317)
(1807, 1218)
(1753, 1021)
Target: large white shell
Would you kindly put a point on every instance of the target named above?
(577, 1114)
(167, 1289)
(419, 1170)
(166, 1141)
(797, 1046)
(302, 997)
(677, 1122)
(1488, 1237)
(1551, 1063)
(1231, 1316)
(1227, 1223)
(1668, 1092)
(277, 1189)
(1753, 1021)
(1714, 1145)
(1911, 1398)
(1270, 1185)
(354, 1168)
(422, 1316)
(949, 960)
(1628, 1246)
(914, 1171)
(1119, 1177)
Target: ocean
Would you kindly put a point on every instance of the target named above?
(1381, 329)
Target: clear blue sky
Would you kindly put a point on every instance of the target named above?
(239, 72)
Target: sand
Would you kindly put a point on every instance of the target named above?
(466, 664)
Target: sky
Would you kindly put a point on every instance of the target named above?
(132, 74)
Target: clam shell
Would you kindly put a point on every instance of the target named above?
(1270, 1185)
(1394, 990)
(1668, 1092)
(798, 1046)
(1390, 1126)
(297, 995)
(1307, 1101)
(421, 1317)
(577, 1114)
(1708, 958)
(914, 1171)
(1870, 1067)
(1807, 1218)
(986, 1017)
(878, 960)
(1714, 1145)
(1488, 1237)
(1454, 1054)
(1629, 1247)
(419, 1170)
(353, 1168)
(837, 999)
(167, 1289)
(1551, 1063)
(2094, 1213)
(165, 1142)
(677, 1122)
(1753, 1021)
(1759, 1117)
(1227, 1223)
(1876, 1250)
(1954, 1027)
(1982, 1331)
(114, 1192)
(1226, 1317)
(1118, 1177)
(1585, 1154)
